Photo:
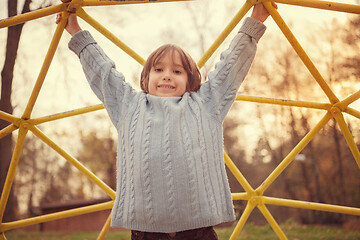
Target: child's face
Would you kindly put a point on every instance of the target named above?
(168, 77)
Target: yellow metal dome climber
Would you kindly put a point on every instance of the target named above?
(254, 197)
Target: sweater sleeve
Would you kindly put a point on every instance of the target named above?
(220, 90)
(108, 84)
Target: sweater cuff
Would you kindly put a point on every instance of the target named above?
(79, 41)
(253, 28)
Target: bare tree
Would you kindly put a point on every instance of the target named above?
(12, 45)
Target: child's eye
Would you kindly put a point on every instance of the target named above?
(158, 69)
(177, 72)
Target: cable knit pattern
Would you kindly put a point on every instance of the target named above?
(170, 167)
(189, 158)
(146, 165)
(132, 159)
(121, 179)
(169, 171)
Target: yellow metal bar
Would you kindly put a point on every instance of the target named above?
(45, 67)
(81, 13)
(326, 5)
(72, 113)
(105, 229)
(112, 2)
(12, 168)
(240, 225)
(275, 226)
(347, 134)
(245, 8)
(285, 102)
(311, 205)
(238, 175)
(300, 51)
(8, 117)
(2, 236)
(7, 130)
(353, 112)
(74, 162)
(347, 101)
(55, 216)
(240, 196)
(32, 15)
(289, 158)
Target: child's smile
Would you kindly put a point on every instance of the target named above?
(168, 77)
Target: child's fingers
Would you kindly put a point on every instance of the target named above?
(58, 18)
(274, 5)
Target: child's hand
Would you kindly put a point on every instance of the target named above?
(72, 25)
(260, 13)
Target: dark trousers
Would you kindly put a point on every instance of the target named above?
(206, 233)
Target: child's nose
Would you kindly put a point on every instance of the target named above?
(167, 75)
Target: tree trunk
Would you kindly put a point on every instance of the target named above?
(12, 44)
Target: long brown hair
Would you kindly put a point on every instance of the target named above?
(194, 75)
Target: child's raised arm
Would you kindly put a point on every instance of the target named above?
(72, 25)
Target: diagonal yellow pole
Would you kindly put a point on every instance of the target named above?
(81, 13)
(301, 53)
(105, 229)
(74, 162)
(8, 117)
(7, 130)
(353, 112)
(238, 175)
(2, 236)
(45, 67)
(289, 158)
(12, 168)
(244, 217)
(275, 226)
(229, 28)
(347, 134)
(347, 101)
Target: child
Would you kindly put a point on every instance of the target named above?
(171, 178)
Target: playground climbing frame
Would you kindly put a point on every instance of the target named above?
(255, 198)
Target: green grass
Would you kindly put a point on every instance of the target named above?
(292, 230)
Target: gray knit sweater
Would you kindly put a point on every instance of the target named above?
(170, 168)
